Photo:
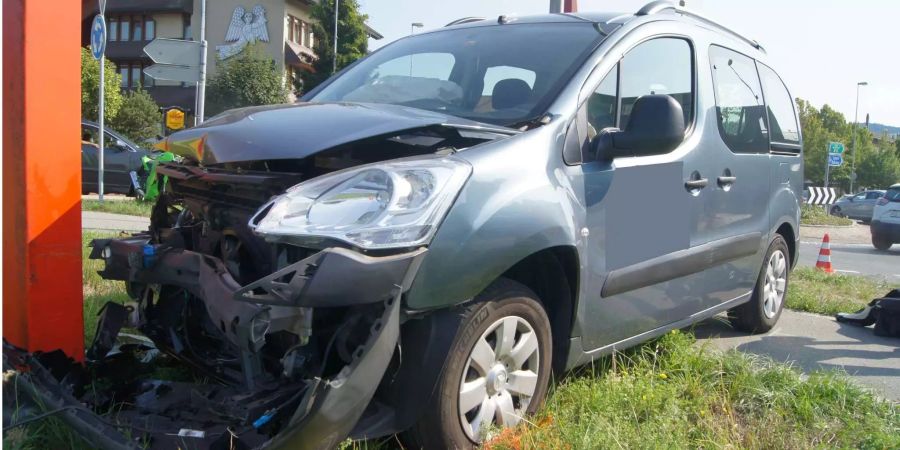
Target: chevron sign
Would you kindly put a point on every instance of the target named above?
(821, 196)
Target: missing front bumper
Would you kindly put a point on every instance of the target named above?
(234, 414)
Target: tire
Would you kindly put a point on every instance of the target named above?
(761, 313)
(836, 211)
(505, 305)
(881, 243)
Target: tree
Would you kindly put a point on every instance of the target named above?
(876, 165)
(90, 88)
(353, 42)
(139, 118)
(249, 78)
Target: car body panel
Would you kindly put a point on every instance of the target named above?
(263, 133)
(886, 216)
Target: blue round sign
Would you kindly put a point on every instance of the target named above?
(98, 37)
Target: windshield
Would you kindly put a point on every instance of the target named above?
(503, 74)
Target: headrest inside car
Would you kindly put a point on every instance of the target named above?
(510, 92)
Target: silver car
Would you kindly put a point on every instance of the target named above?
(858, 206)
(422, 241)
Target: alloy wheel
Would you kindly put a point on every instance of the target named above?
(775, 284)
(500, 377)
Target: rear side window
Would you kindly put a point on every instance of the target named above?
(893, 195)
(740, 111)
(873, 195)
(783, 126)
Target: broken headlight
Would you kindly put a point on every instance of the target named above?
(384, 205)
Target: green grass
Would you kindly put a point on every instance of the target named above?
(129, 207)
(817, 215)
(818, 292)
(96, 290)
(674, 394)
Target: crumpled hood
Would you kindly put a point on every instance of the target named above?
(299, 130)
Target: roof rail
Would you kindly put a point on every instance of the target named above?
(464, 20)
(659, 6)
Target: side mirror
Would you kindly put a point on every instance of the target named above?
(656, 126)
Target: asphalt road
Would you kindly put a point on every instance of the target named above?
(856, 259)
(812, 342)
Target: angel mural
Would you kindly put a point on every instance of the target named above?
(245, 27)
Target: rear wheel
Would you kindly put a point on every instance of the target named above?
(761, 313)
(881, 242)
(497, 372)
(836, 211)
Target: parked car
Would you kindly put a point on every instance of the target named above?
(858, 206)
(416, 250)
(122, 161)
(885, 225)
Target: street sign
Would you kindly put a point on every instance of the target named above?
(174, 51)
(187, 74)
(175, 119)
(821, 196)
(835, 160)
(98, 37)
(835, 148)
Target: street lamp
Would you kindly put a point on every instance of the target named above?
(412, 29)
(855, 126)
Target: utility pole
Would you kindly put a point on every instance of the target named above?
(201, 85)
(336, 9)
(855, 126)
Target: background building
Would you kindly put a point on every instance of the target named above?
(132, 24)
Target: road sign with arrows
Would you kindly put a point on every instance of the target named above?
(175, 60)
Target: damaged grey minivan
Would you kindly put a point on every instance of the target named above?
(421, 242)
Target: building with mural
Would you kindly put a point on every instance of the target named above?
(282, 29)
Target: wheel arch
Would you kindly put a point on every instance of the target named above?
(553, 275)
(790, 236)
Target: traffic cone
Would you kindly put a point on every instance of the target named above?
(824, 261)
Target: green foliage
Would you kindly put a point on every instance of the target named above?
(817, 215)
(353, 42)
(877, 166)
(139, 118)
(90, 88)
(128, 207)
(819, 292)
(249, 78)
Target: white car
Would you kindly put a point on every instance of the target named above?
(886, 219)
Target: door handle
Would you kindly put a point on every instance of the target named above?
(726, 181)
(696, 184)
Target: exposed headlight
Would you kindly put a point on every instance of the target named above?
(384, 205)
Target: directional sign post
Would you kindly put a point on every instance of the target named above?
(833, 158)
(98, 47)
(177, 60)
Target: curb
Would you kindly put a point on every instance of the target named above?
(827, 226)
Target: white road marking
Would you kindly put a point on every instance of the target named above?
(846, 271)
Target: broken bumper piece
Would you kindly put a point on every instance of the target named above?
(255, 410)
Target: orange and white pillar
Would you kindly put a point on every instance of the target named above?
(42, 298)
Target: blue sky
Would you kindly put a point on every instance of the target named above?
(822, 48)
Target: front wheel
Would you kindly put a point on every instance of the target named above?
(761, 313)
(836, 211)
(497, 372)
